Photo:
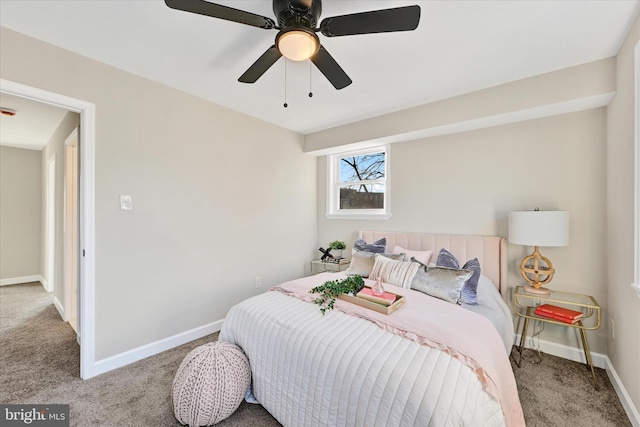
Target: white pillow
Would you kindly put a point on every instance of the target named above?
(420, 256)
(393, 272)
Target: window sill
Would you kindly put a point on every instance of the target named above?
(358, 216)
(636, 288)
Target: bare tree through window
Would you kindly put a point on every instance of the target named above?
(362, 181)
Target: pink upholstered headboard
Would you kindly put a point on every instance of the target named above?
(491, 251)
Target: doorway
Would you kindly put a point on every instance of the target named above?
(86, 213)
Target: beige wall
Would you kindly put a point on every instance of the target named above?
(468, 182)
(561, 91)
(55, 147)
(20, 190)
(624, 306)
(214, 202)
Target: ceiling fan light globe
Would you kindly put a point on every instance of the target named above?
(297, 45)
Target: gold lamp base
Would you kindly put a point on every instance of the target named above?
(537, 270)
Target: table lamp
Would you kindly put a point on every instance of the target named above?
(538, 228)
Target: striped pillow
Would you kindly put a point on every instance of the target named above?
(362, 262)
(396, 273)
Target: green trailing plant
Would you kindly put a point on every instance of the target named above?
(330, 290)
(338, 244)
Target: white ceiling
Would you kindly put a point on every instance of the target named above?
(459, 47)
(32, 126)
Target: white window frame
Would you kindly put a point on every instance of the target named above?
(333, 210)
(636, 284)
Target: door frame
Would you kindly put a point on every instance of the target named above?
(636, 244)
(86, 216)
(70, 230)
(50, 265)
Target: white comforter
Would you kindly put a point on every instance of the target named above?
(340, 370)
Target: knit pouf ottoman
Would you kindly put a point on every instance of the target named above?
(210, 384)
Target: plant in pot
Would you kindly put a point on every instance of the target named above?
(337, 246)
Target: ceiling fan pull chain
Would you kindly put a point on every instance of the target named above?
(285, 83)
(310, 73)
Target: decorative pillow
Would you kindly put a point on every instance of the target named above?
(441, 282)
(421, 256)
(362, 262)
(394, 272)
(470, 291)
(378, 247)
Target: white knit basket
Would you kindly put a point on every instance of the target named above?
(210, 384)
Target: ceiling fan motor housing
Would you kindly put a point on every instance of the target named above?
(297, 13)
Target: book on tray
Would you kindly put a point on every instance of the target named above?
(386, 299)
(559, 313)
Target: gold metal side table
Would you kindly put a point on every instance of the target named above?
(525, 304)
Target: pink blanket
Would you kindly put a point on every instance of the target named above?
(465, 335)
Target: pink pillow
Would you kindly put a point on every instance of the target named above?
(421, 256)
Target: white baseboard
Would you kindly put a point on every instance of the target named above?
(23, 279)
(599, 361)
(131, 356)
(567, 352)
(59, 306)
(625, 399)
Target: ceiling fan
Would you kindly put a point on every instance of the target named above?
(297, 39)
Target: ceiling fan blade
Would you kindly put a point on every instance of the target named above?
(205, 8)
(330, 68)
(261, 65)
(378, 21)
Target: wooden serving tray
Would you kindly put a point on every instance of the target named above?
(374, 306)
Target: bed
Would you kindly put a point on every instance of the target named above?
(431, 363)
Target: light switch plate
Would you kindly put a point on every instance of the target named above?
(126, 202)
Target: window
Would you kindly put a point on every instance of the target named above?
(358, 184)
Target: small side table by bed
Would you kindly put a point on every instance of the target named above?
(525, 304)
(318, 266)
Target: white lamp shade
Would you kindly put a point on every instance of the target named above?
(539, 228)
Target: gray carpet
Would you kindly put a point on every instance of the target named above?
(560, 392)
(39, 362)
